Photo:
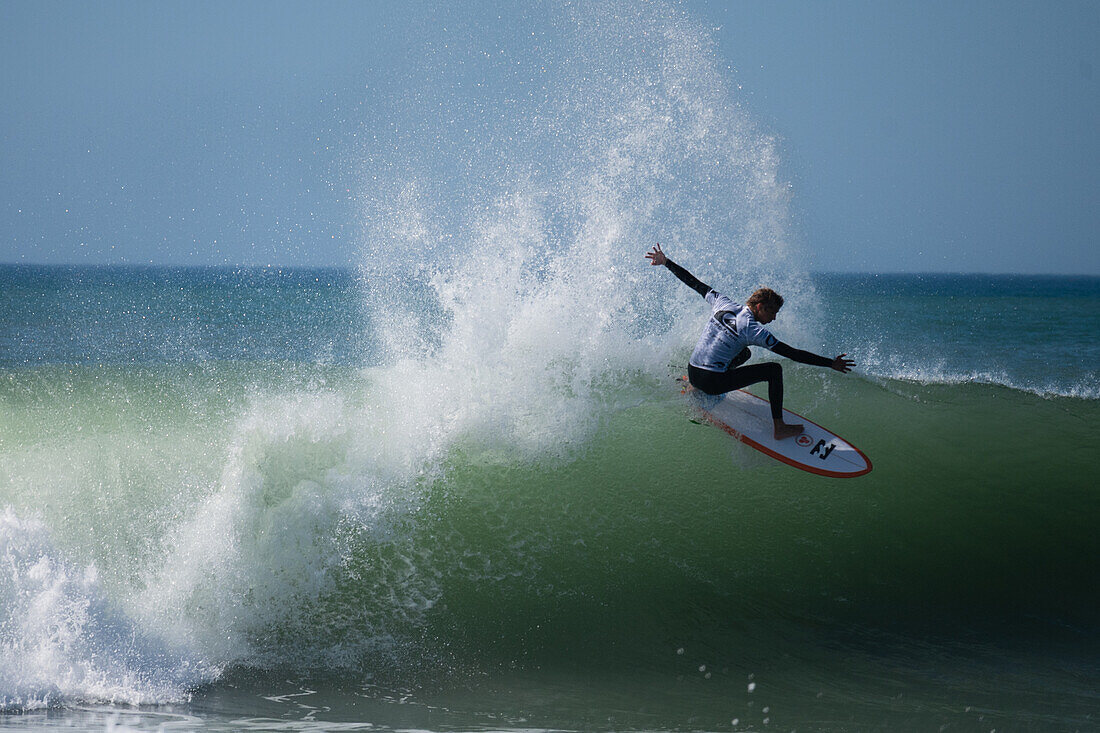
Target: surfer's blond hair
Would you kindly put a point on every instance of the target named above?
(766, 296)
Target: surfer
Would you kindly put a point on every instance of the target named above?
(715, 365)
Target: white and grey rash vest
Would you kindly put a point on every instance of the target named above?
(730, 329)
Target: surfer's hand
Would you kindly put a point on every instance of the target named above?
(842, 365)
(656, 257)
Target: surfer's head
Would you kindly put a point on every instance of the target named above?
(765, 304)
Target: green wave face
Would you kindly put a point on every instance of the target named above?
(975, 520)
(655, 531)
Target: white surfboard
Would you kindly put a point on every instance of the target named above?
(748, 418)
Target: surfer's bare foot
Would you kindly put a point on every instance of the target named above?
(783, 430)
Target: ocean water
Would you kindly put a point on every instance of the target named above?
(455, 486)
(222, 510)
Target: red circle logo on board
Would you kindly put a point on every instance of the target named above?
(804, 440)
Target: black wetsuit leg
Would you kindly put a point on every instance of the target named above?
(716, 383)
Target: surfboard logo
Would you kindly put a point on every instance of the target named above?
(824, 450)
(804, 440)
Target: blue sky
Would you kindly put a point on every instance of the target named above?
(922, 136)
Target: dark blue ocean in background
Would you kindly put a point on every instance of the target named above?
(1033, 333)
(159, 315)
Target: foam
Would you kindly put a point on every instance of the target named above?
(63, 639)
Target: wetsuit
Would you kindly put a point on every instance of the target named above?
(715, 365)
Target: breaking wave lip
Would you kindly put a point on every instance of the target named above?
(1082, 390)
(62, 639)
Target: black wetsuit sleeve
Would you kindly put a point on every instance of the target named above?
(687, 278)
(802, 357)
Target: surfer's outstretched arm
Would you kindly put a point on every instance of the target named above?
(657, 257)
(840, 363)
